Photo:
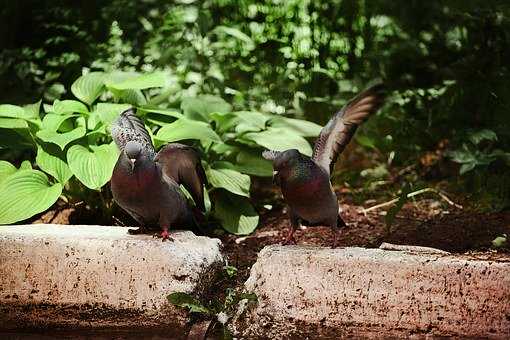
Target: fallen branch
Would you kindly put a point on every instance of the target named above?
(412, 194)
(412, 249)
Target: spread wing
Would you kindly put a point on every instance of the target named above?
(182, 164)
(337, 133)
(128, 127)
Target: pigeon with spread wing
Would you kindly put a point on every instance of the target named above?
(305, 182)
(146, 184)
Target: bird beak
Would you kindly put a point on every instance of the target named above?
(132, 161)
(276, 177)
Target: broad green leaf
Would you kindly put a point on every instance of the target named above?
(250, 121)
(25, 165)
(108, 112)
(252, 163)
(51, 160)
(14, 111)
(92, 167)
(133, 97)
(89, 87)
(13, 123)
(61, 139)
(235, 213)
(26, 193)
(69, 106)
(32, 110)
(185, 300)
(187, 129)
(165, 112)
(6, 169)
(279, 140)
(200, 107)
(139, 82)
(301, 127)
(230, 180)
(53, 121)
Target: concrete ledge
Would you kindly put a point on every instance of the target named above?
(320, 292)
(97, 277)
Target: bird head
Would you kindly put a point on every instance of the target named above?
(133, 151)
(282, 161)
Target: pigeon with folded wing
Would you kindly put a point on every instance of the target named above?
(146, 184)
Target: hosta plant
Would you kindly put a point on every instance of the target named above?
(72, 154)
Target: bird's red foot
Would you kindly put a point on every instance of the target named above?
(165, 235)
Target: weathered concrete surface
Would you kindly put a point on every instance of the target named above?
(305, 291)
(96, 276)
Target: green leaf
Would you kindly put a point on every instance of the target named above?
(133, 97)
(32, 110)
(6, 169)
(53, 121)
(69, 106)
(392, 212)
(250, 121)
(230, 180)
(499, 241)
(61, 139)
(25, 165)
(300, 127)
(466, 167)
(13, 123)
(485, 134)
(108, 112)
(253, 163)
(234, 32)
(92, 167)
(236, 214)
(187, 129)
(365, 141)
(51, 160)
(13, 111)
(185, 300)
(165, 112)
(89, 87)
(279, 140)
(26, 193)
(139, 82)
(200, 107)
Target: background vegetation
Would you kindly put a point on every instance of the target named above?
(240, 70)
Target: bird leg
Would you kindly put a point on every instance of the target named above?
(165, 235)
(337, 230)
(294, 224)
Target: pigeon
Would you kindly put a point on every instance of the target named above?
(146, 184)
(305, 182)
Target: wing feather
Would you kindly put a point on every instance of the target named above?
(182, 164)
(128, 127)
(337, 133)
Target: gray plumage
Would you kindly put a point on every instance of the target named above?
(304, 181)
(146, 184)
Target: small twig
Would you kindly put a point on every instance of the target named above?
(412, 249)
(119, 221)
(412, 194)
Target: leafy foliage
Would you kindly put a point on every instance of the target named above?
(73, 144)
